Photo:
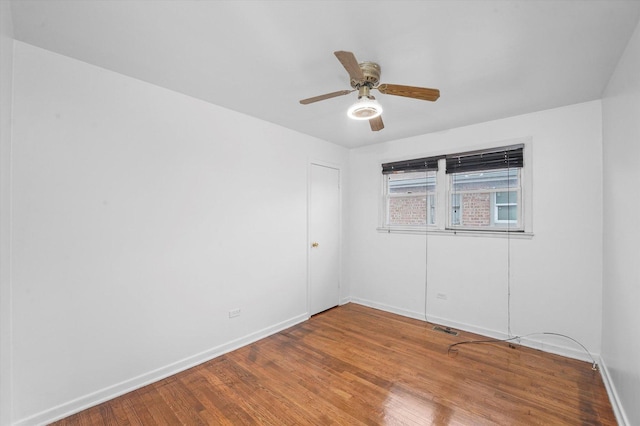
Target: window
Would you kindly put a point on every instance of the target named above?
(410, 199)
(485, 189)
(476, 191)
(410, 192)
(485, 200)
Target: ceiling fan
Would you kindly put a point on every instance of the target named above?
(365, 77)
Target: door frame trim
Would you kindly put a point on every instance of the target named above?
(340, 239)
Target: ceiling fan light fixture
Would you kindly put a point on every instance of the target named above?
(364, 109)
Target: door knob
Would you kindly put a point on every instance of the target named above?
(315, 244)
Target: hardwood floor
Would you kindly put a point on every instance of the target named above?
(354, 365)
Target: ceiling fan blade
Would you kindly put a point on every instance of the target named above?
(410, 91)
(325, 96)
(350, 63)
(376, 123)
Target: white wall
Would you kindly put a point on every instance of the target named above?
(621, 296)
(556, 283)
(6, 68)
(141, 217)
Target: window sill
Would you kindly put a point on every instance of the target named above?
(457, 232)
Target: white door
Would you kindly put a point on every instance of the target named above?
(324, 238)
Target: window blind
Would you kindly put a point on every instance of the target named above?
(490, 159)
(415, 165)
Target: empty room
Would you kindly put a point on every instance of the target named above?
(319, 212)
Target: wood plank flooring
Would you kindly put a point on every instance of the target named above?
(354, 365)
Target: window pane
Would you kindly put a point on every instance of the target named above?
(486, 199)
(506, 197)
(493, 179)
(476, 209)
(508, 213)
(407, 211)
(410, 198)
(411, 183)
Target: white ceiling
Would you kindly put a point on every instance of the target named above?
(490, 59)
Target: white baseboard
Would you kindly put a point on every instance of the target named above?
(531, 342)
(536, 341)
(616, 404)
(68, 408)
(388, 308)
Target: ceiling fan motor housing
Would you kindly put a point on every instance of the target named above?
(371, 72)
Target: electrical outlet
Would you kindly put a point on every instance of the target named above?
(234, 313)
(441, 296)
